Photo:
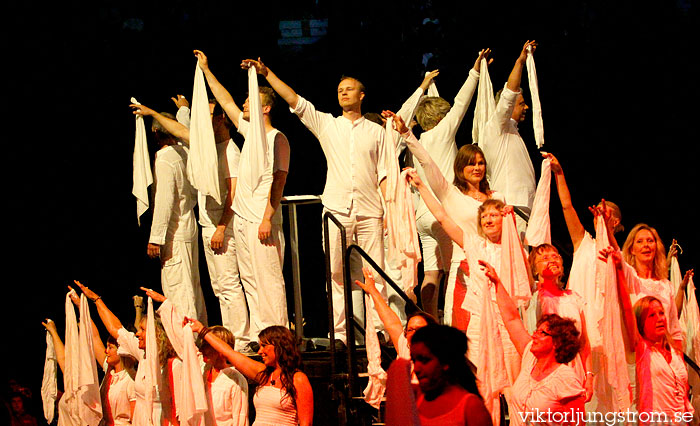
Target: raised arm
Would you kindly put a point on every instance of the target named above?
(110, 321)
(98, 348)
(391, 321)
(172, 126)
(438, 211)
(218, 90)
(57, 343)
(285, 92)
(573, 223)
(509, 312)
(517, 71)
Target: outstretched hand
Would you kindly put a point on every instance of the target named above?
(428, 79)
(73, 296)
(613, 254)
(201, 59)
(367, 286)
(157, 297)
(399, 124)
(523, 54)
(141, 109)
(50, 326)
(483, 54)
(196, 325)
(413, 178)
(86, 291)
(553, 162)
(490, 272)
(180, 101)
(260, 68)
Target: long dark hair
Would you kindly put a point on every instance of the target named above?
(449, 345)
(288, 358)
(466, 156)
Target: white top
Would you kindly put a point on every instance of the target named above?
(662, 387)
(569, 305)
(354, 153)
(248, 204)
(173, 215)
(439, 142)
(509, 168)
(273, 407)
(228, 399)
(210, 211)
(533, 396)
(118, 392)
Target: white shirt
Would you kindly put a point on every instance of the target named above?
(119, 389)
(210, 211)
(248, 204)
(228, 399)
(354, 153)
(509, 168)
(440, 141)
(173, 215)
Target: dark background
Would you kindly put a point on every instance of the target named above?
(616, 86)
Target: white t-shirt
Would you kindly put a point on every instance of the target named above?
(227, 398)
(209, 210)
(117, 390)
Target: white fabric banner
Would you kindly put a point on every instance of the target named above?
(537, 124)
(485, 102)
(259, 151)
(142, 174)
(152, 364)
(203, 163)
(374, 392)
(90, 407)
(49, 382)
(538, 226)
(514, 265)
(68, 412)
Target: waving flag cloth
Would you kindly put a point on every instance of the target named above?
(260, 153)
(151, 361)
(404, 246)
(203, 163)
(538, 227)
(143, 177)
(49, 382)
(68, 412)
(190, 396)
(485, 102)
(90, 407)
(514, 272)
(374, 392)
(535, 95)
(613, 384)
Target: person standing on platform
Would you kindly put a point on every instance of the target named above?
(257, 213)
(510, 169)
(174, 229)
(354, 150)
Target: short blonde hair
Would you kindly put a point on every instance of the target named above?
(431, 110)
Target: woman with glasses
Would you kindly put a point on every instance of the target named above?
(547, 388)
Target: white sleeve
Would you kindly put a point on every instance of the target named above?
(310, 117)
(183, 116)
(164, 201)
(129, 343)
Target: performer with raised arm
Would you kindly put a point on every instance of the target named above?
(354, 152)
(174, 230)
(262, 175)
(510, 169)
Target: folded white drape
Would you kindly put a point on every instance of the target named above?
(514, 266)
(90, 407)
(202, 164)
(403, 243)
(152, 364)
(538, 226)
(485, 102)
(537, 124)
(613, 376)
(374, 392)
(259, 150)
(49, 382)
(68, 413)
(190, 396)
(142, 175)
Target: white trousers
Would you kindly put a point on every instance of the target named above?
(260, 268)
(393, 269)
(366, 232)
(179, 277)
(226, 284)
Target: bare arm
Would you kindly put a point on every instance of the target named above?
(391, 321)
(172, 126)
(218, 90)
(509, 312)
(285, 92)
(305, 399)
(573, 223)
(279, 179)
(517, 72)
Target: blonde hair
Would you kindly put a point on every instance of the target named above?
(660, 269)
(431, 110)
(641, 312)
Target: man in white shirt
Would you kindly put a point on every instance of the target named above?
(258, 216)
(354, 150)
(174, 230)
(509, 168)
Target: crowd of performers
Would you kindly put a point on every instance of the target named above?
(610, 340)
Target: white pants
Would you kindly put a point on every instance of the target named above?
(367, 232)
(436, 245)
(260, 268)
(226, 284)
(396, 302)
(179, 277)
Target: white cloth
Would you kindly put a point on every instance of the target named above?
(355, 158)
(509, 168)
(89, 385)
(153, 376)
(485, 102)
(210, 211)
(690, 318)
(403, 244)
(68, 411)
(117, 392)
(228, 399)
(202, 168)
(538, 226)
(49, 382)
(376, 386)
(514, 265)
(142, 174)
(537, 125)
(259, 158)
